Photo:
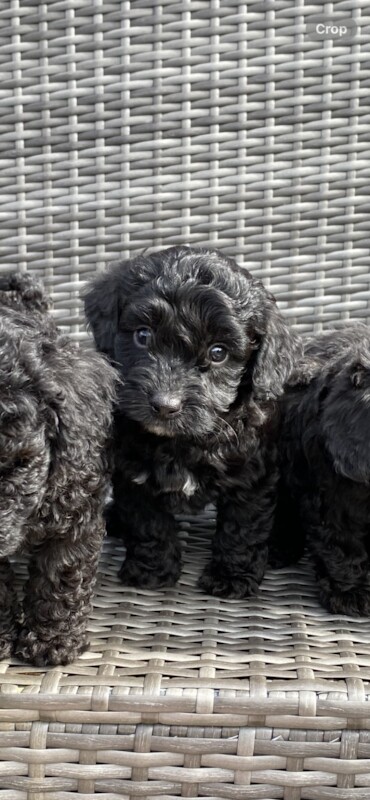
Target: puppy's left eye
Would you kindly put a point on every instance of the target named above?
(142, 337)
(217, 353)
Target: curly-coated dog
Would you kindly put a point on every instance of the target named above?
(55, 421)
(203, 353)
(324, 496)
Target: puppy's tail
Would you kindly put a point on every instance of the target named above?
(20, 290)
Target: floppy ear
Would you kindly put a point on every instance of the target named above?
(102, 310)
(345, 422)
(351, 457)
(277, 354)
(107, 294)
(349, 449)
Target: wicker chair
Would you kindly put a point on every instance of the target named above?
(233, 124)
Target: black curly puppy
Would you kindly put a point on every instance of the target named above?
(55, 409)
(203, 353)
(324, 496)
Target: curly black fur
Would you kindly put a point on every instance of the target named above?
(190, 430)
(324, 495)
(55, 410)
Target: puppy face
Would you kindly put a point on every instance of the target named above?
(182, 352)
(189, 331)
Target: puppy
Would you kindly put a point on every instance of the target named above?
(55, 417)
(324, 496)
(203, 354)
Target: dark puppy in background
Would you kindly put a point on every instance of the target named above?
(203, 353)
(55, 419)
(324, 497)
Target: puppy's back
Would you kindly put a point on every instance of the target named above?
(331, 344)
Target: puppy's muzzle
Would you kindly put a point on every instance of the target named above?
(166, 405)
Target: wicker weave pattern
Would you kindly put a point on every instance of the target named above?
(127, 125)
(133, 125)
(184, 695)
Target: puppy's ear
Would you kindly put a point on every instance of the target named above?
(349, 450)
(344, 423)
(277, 354)
(102, 300)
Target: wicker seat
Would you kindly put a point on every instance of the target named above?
(127, 125)
(183, 695)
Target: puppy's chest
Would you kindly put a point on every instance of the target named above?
(185, 480)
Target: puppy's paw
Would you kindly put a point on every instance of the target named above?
(217, 582)
(10, 621)
(8, 638)
(59, 649)
(6, 647)
(134, 573)
(354, 603)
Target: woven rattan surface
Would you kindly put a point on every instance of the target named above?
(127, 125)
(183, 695)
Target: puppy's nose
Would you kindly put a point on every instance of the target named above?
(166, 405)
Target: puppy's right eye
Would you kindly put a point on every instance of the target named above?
(217, 353)
(142, 337)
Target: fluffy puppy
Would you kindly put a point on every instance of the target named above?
(55, 416)
(203, 354)
(324, 496)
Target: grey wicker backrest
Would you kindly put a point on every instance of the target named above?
(234, 124)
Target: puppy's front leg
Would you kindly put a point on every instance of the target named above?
(240, 545)
(342, 568)
(58, 596)
(153, 557)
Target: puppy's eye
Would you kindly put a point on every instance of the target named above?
(217, 353)
(142, 337)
